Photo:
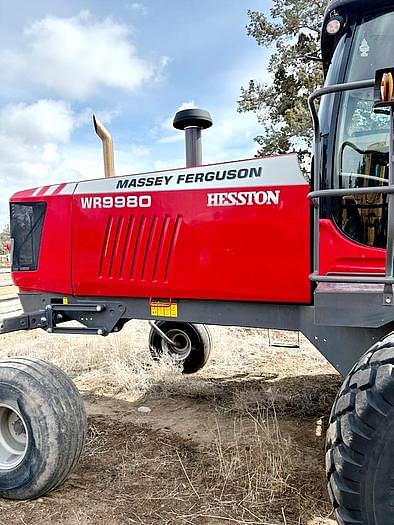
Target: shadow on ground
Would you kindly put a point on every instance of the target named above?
(239, 449)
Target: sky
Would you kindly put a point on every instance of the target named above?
(133, 64)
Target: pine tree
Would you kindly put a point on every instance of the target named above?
(4, 238)
(293, 31)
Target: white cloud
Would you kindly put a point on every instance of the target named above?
(187, 105)
(137, 7)
(167, 125)
(170, 139)
(138, 150)
(231, 136)
(79, 56)
(161, 69)
(36, 149)
(30, 136)
(44, 121)
(160, 165)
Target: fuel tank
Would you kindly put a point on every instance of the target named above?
(232, 231)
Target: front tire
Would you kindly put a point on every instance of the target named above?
(42, 427)
(360, 441)
(192, 342)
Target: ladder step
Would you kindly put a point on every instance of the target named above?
(283, 339)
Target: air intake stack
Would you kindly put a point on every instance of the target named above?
(193, 121)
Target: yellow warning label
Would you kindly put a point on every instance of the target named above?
(65, 300)
(163, 309)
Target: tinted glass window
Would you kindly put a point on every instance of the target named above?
(26, 228)
(363, 136)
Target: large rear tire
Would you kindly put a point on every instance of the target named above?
(360, 441)
(42, 427)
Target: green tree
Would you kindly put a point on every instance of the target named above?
(292, 31)
(4, 238)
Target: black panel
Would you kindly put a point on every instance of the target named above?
(26, 222)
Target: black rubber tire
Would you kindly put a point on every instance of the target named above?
(53, 412)
(201, 344)
(360, 441)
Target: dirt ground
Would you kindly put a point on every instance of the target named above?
(240, 442)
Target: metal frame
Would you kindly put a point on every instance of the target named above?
(98, 316)
(343, 323)
(317, 193)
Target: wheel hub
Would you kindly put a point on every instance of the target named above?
(182, 346)
(13, 438)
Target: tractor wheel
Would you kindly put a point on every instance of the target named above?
(42, 427)
(192, 344)
(360, 441)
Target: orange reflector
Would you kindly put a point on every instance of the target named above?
(386, 87)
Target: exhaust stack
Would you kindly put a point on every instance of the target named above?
(108, 148)
(193, 121)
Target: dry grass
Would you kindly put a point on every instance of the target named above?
(243, 372)
(234, 444)
(7, 291)
(257, 460)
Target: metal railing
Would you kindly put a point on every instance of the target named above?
(317, 193)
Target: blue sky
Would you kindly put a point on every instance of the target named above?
(132, 63)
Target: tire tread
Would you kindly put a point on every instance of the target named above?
(68, 411)
(361, 406)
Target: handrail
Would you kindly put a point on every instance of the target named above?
(317, 193)
(387, 279)
(342, 192)
(361, 279)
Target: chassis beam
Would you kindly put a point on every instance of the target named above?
(344, 321)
